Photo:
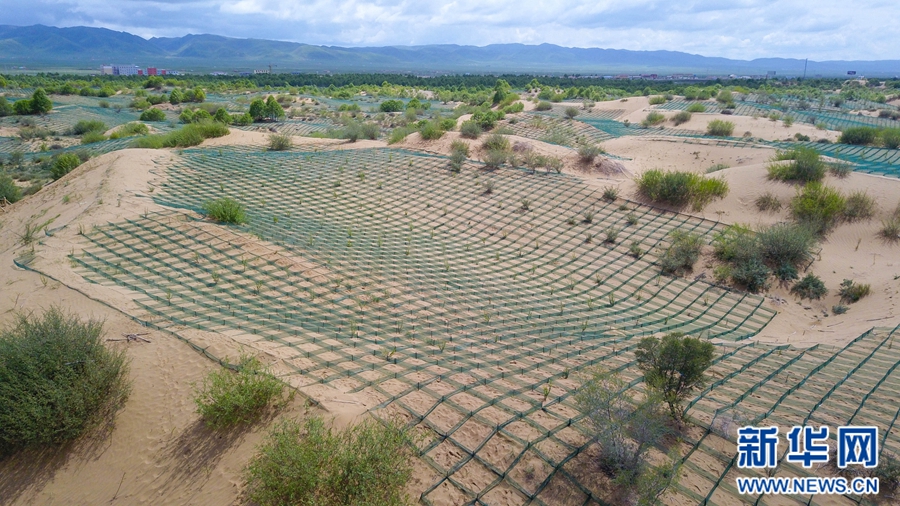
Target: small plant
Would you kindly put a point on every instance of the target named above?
(487, 186)
(526, 203)
(635, 249)
(367, 463)
(682, 254)
(631, 218)
(768, 202)
(860, 206)
(851, 292)
(810, 287)
(571, 112)
(890, 229)
(719, 128)
(839, 309)
(653, 118)
(717, 167)
(280, 142)
(818, 206)
(674, 366)
(840, 170)
(225, 210)
(588, 152)
(227, 398)
(682, 117)
(805, 166)
(610, 193)
(610, 235)
(696, 108)
(588, 216)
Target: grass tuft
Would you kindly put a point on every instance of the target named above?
(228, 398)
(226, 210)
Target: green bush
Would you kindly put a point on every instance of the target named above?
(682, 254)
(719, 128)
(543, 105)
(657, 100)
(310, 464)
(680, 188)
(227, 398)
(431, 130)
(400, 133)
(787, 244)
(92, 137)
(840, 170)
(64, 164)
(860, 206)
(674, 366)
(130, 129)
(589, 152)
(696, 108)
(391, 106)
(153, 114)
(496, 142)
(682, 117)
(851, 292)
(470, 129)
(890, 138)
(818, 206)
(861, 135)
(810, 287)
(653, 118)
(486, 119)
(494, 158)
(226, 210)
(571, 112)
(85, 126)
(186, 136)
(57, 379)
(806, 165)
(9, 191)
(768, 202)
(752, 274)
(280, 142)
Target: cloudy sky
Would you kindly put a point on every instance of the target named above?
(743, 29)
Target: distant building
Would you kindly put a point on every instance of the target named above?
(263, 71)
(106, 70)
(163, 72)
(151, 71)
(140, 72)
(125, 70)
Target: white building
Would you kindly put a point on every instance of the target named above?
(125, 70)
(106, 70)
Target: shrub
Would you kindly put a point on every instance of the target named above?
(859, 206)
(610, 193)
(431, 130)
(129, 129)
(851, 292)
(751, 273)
(818, 206)
(768, 202)
(589, 152)
(696, 108)
(227, 398)
(494, 158)
(682, 117)
(186, 136)
(840, 170)
(543, 105)
(57, 379)
(496, 142)
(85, 126)
(459, 151)
(674, 366)
(153, 114)
(653, 118)
(625, 428)
(858, 135)
(788, 121)
(571, 112)
(786, 244)
(64, 164)
(367, 463)
(92, 137)
(839, 309)
(657, 100)
(391, 106)
(680, 188)
(810, 287)
(890, 229)
(682, 253)
(610, 235)
(890, 138)
(225, 210)
(719, 128)
(470, 129)
(806, 165)
(9, 192)
(280, 142)
(724, 97)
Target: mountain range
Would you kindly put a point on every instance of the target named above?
(87, 47)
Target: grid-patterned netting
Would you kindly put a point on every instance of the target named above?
(293, 127)
(868, 159)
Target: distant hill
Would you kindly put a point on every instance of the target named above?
(89, 47)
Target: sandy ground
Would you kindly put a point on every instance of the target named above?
(158, 452)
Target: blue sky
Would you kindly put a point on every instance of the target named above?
(743, 29)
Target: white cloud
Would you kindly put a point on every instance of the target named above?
(744, 29)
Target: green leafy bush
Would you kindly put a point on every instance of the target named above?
(57, 379)
(153, 114)
(696, 108)
(64, 164)
(787, 244)
(657, 100)
(719, 128)
(431, 130)
(227, 398)
(806, 165)
(818, 206)
(496, 141)
(226, 210)
(85, 126)
(9, 191)
(571, 112)
(890, 138)
(130, 129)
(680, 188)
(400, 133)
(653, 118)
(860, 135)
(470, 129)
(682, 117)
(674, 366)
(391, 106)
(543, 105)
(92, 137)
(682, 254)
(186, 136)
(309, 463)
(810, 287)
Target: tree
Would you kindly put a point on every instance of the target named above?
(258, 109)
(222, 116)
(5, 108)
(176, 97)
(40, 103)
(391, 106)
(199, 95)
(673, 366)
(625, 428)
(273, 109)
(22, 107)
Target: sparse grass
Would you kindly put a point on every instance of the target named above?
(588, 152)
(635, 249)
(186, 136)
(890, 228)
(228, 398)
(682, 254)
(280, 142)
(494, 158)
(92, 137)
(308, 463)
(682, 117)
(470, 129)
(610, 193)
(610, 235)
(717, 167)
(805, 166)
(860, 206)
(653, 118)
(768, 202)
(226, 210)
(57, 379)
(840, 170)
(719, 128)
